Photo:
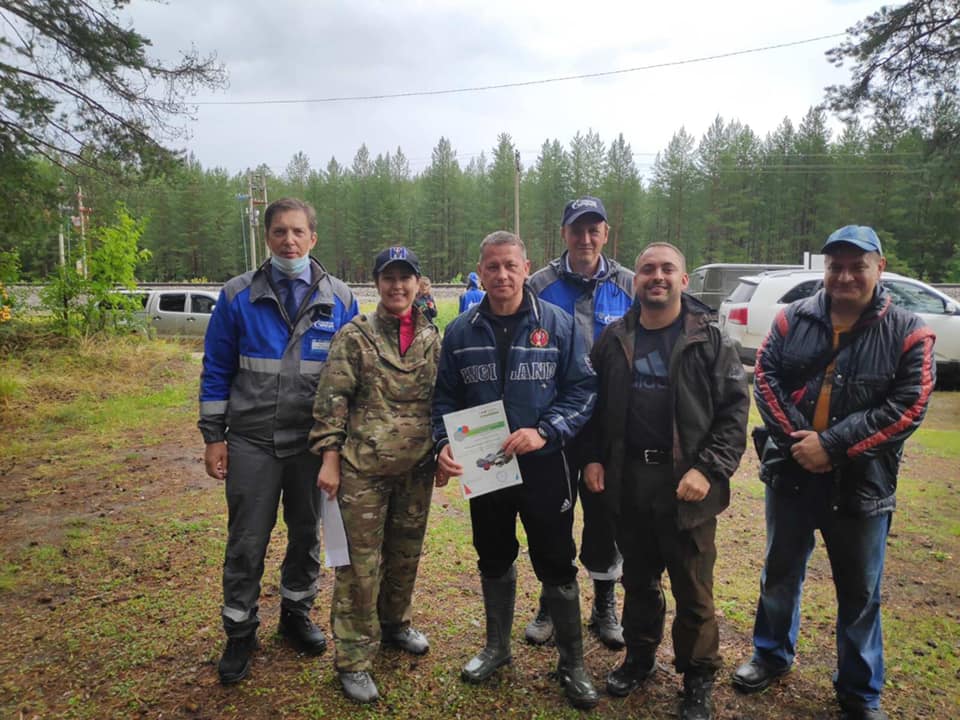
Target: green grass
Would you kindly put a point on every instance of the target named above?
(447, 310)
(10, 387)
(943, 443)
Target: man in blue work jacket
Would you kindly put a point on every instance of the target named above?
(596, 290)
(267, 340)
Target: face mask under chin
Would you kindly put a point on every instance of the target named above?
(290, 266)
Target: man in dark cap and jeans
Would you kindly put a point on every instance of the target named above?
(596, 290)
(842, 380)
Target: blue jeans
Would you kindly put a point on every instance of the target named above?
(856, 546)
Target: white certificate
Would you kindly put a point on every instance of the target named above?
(476, 436)
(337, 551)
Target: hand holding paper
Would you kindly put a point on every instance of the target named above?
(476, 452)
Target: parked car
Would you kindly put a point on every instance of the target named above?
(173, 312)
(712, 283)
(746, 316)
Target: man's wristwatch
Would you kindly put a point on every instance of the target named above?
(542, 433)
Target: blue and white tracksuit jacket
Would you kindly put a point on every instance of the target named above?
(594, 302)
(260, 370)
(547, 382)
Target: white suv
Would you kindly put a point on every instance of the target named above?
(747, 314)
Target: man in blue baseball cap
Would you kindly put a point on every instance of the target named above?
(596, 290)
(842, 380)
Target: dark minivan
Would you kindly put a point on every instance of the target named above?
(712, 283)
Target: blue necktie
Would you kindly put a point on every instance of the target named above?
(290, 303)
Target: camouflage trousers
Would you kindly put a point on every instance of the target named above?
(385, 519)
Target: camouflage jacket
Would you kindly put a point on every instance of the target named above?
(373, 404)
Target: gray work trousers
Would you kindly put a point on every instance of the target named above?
(256, 481)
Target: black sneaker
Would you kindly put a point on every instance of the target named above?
(539, 631)
(235, 662)
(300, 631)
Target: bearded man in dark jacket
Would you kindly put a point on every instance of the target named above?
(661, 456)
(842, 379)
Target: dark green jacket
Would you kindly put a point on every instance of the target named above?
(710, 402)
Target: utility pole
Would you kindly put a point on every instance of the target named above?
(60, 208)
(241, 198)
(82, 212)
(252, 219)
(262, 201)
(516, 192)
(256, 196)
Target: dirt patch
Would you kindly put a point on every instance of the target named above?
(109, 599)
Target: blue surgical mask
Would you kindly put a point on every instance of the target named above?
(290, 266)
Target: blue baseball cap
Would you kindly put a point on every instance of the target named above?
(396, 255)
(583, 206)
(859, 236)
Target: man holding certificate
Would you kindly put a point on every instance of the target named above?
(515, 348)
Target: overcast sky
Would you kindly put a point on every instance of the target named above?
(297, 50)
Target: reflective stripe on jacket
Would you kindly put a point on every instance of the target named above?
(594, 302)
(548, 380)
(260, 374)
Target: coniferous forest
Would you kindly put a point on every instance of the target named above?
(726, 196)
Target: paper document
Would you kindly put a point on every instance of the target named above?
(476, 436)
(335, 550)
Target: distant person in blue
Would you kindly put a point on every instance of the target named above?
(473, 295)
(596, 290)
(267, 340)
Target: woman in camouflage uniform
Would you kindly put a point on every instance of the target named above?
(372, 427)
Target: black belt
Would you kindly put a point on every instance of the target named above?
(649, 457)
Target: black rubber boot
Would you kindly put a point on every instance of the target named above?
(499, 595)
(563, 602)
(540, 629)
(603, 618)
(697, 703)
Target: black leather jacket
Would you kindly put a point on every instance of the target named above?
(881, 385)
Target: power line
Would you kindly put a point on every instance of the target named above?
(526, 83)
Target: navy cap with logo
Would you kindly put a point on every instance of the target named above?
(859, 236)
(396, 255)
(576, 209)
